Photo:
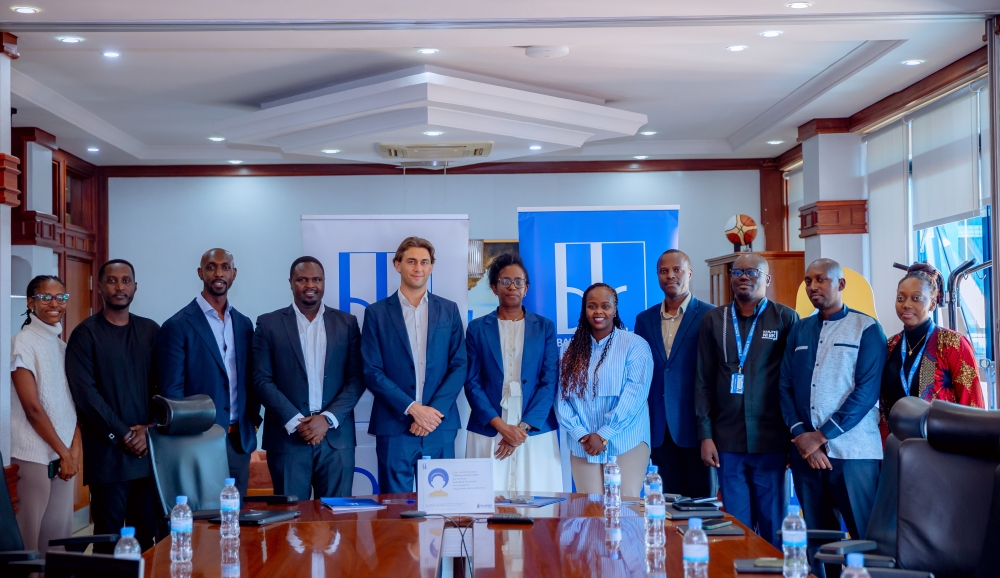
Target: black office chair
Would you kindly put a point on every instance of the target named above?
(188, 452)
(944, 492)
(15, 561)
(75, 565)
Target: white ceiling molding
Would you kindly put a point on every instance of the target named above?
(665, 148)
(852, 63)
(50, 100)
(400, 107)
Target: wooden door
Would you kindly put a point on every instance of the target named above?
(78, 285)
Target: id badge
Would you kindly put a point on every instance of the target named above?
(736, 384)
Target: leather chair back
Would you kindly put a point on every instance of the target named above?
(188, 451)
(75, 565)
(906, 420)
(10, 534)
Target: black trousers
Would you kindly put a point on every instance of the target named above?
(131, 503)
(239, 462)
(682, 470)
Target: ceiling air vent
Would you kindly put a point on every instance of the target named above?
(435, 151)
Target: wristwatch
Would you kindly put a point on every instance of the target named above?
(524, 426)
(328, 420)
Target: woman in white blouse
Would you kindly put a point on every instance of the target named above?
(511, 388)
(44, 432)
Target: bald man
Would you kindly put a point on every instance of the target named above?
(737, 405)
(205, 348)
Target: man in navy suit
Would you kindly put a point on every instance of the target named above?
(307, 373)
(205, 349)
(415, 365)
(671, 329)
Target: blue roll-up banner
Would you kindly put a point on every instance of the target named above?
(567, 249)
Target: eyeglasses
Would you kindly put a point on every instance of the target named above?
(507, 282)
(750, 273)
(47, 298)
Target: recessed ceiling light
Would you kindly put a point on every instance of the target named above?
(428, 51)
(775, 142)
(112, 54)
(93, 149)
(800, 5)
(771, 33)
(648, 132)
(736, 48)
(641, 157)
(25, 9)
(70, 39)
(433, 133)
(216, 138)
(331, 151)
(535, 147)
(236, 162)
(913, 62)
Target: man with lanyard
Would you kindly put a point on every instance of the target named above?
(830, 383)
(737, 402)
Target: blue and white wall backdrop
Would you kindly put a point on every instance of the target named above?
(567, 249)
(358, 252)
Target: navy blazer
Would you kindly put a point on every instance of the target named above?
(190, 363)
(671, 394)
(280, 379)
(539, 374)
(389, 372)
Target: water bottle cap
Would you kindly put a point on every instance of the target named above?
(127, 532)
(230, 481)
(694, 523)
(613, 459)
(793, 510)
(425, 457)
(654, 469)
(856, 560)
(182, 499)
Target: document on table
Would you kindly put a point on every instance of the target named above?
(455, 486)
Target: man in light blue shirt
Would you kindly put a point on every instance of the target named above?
(830, 384)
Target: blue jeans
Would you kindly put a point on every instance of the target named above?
(752, 490)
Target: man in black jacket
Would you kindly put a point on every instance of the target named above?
(109, 366)
(308, 376)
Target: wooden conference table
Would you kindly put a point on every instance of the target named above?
(567, 539)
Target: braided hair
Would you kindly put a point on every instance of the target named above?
(574, 367)
(30, 292)
(929, 277)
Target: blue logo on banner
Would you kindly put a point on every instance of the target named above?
(567, 251)
(366, 277)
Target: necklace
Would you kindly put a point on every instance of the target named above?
(910, 350)
(514, 320)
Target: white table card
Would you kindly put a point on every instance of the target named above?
(455, 486)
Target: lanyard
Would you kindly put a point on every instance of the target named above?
(916, 362)
(741, 349)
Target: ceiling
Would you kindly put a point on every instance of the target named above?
(188, 68)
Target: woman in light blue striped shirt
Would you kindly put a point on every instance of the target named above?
(605, 373)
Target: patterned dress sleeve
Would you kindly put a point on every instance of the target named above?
(965, 376)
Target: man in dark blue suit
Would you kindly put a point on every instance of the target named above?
(205, 349)
(307, 373)
(415, 365)
(671, 329)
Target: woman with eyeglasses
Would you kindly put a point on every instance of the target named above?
(511, 388)
(926, 360)
(45, 440)
(605, 374)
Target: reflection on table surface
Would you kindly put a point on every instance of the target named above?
(354, 548)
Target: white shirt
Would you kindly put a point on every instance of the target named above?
(312, 337)
(225, 339)
(512, 346)
(415, 319)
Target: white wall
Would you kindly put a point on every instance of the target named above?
(163, 225)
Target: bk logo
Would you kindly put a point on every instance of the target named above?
(620, 264)
(366, 277)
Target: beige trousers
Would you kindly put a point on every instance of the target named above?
(45, 510)
(589, 477)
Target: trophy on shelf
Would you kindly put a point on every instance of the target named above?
(741, 231)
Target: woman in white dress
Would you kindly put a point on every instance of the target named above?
(511, 387)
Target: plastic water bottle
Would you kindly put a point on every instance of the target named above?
(229, 506)
(230, 548)
(652, 475)
(855, 566)
(181, 526)
(613, 533)
(794, 541)
(656, 562)
(181, 569)
(612, 484)
(655, 511)
(128, 547)
(695, 550)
